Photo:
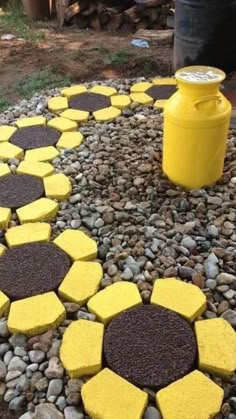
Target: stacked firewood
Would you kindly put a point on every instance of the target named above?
(115, 14)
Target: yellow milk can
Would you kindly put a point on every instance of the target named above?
(196, 123)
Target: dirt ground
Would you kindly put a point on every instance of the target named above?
(82, 54)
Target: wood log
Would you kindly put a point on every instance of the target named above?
(71, 11)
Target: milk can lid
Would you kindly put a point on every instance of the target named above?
(200, 74)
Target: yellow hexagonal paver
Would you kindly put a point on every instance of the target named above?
(114, 299)
(75, 115)
(87, 338)
(140, 87)
(43, 209)
(4, 169)
(108, 396)
(57, 186)
(5, 217)
(57, 104)
(216, 340)
(141, 98)
(165, 81)
(104, 90)
(186, 299)
(73, 91)
(42, 154)
(36, 315)
(70, 140)
(2, 249)
(4, 303)
(81, 282)
(62, 124)
(107, 114)
(31, 121)
(34, 168)
(28, 233)
(6, 132)
(193, 397)
(120, 101)
(159, 103)
(10, 151)
(77, 245)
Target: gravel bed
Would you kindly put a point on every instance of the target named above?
(145, 228)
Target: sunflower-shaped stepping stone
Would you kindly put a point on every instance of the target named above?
(160, 346)
(155, 93)
(77, 103)
(37, 140)
(32, 269)
(30, 192)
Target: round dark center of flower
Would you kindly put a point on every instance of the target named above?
(29, 138)
(32, 269)
(90, 102)
(161, 91)
(150, 346)
(19, 190)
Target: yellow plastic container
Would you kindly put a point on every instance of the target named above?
(196, 123)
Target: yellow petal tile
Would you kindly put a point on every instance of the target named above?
(70, 140)
(73, 91)
(28, 233)
(75, 115)
(6, 132)
(30, 121)
(5, 217)
(77, 245)
(165, 81)
(141, 98)
(4, 169)
(10, 151)
(120, 101)
(140, 87)
(62, 124)
(43, 209)
(34, 168)
(104, 90)
(107, 114)
(42, 154)
(58, 103)
(57, 186)
(4, 303)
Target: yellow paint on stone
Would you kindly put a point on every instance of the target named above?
(160, 103)
(77, 245)
(62, 124)
(5, 217)
(43, 209)
(36, 315)
(185, 299)
(141, 98)
(81, 282)
(165, 81)
(4, 303)
(4, 170)
(193, 397)
(120, 101)
(73, 91)
(57, 104)
(104, 90)
(2, 249)
(216, 340)
(31, 121)
(108, 396)
(140, 87)
(75, 115)
(10, 151)
(107, 114)
(70, 140)
(34, 168)
(114, 299)
(57, 186)
(6, 132)
(87, 338)
(28, 233)
(42, 154)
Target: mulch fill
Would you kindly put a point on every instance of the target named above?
(29, 138)
(90, 102)
(32, 269)
(150, 346)
(161, 91)
(19, 190)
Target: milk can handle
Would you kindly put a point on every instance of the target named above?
(206, 98)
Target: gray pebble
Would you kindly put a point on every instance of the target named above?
(225, 279)
(72, 412)
(55, 387)
(86, 316)
(189, 243)
(3, 370)
(36, 356)
(127, 274)
(19, 351)
(152, 413)
(230, 316)
(211, 283)
(4, 332)
(61, 403)
(16, 403)
(47, 411)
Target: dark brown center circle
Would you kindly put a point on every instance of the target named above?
(150, 346)
(32, 269)
(90, 102)
(161, 91)
(29, 138)
(19, 190)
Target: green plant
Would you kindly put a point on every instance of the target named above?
(120, 57)
(3, 103)
(45, 79)
(16, 20)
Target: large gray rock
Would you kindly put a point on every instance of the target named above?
(47, 411)
(71, 412)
